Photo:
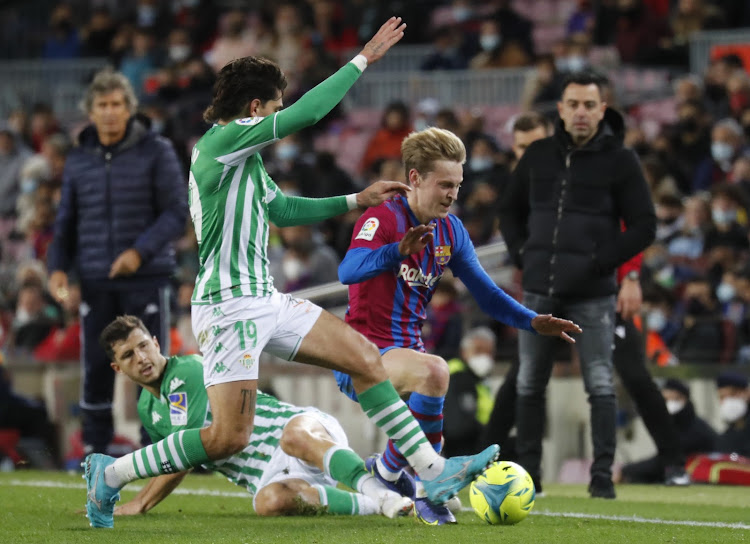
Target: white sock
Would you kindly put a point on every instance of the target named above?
(427, 462)
(367, 506)
(385, 472)
(121, 472)
(420, 493)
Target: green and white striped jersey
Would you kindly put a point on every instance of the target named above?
(183, 404)
(232, 197)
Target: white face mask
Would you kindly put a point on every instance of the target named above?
(732, 408)
(179, 52)
(656, 320)
(480, 364)
(675, 406)
(480, 164)
(292, 268)
(725, 292)
(490, 42)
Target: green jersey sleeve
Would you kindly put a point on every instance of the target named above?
(287, 211)
(183, 403)
(243, 137)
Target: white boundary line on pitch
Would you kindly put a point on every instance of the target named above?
(245, 495)
(134, 487)
(634, 519)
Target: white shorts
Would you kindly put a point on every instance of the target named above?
(285, 467)
(232, 334)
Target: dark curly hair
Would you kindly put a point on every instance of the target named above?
(240, 82)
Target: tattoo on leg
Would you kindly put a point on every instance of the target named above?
(248, 400)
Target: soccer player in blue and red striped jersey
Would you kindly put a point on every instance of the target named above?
(398, 253)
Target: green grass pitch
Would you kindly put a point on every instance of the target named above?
(41, 507)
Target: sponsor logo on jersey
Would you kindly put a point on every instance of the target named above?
(219, 368)
(174, 384)
(155, 417)
(414, 277)
(178, 408)
(368, 230)
(249, 121)
(442, 255)
(247, 361)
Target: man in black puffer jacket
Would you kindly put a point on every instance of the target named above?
(124, 202)
(561, 218)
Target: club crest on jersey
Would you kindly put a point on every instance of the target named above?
(249, 121)
(368, 230)
(414, 277)
(442, 255)
(178, 407)
(247, 361)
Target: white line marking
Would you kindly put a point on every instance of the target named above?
(134, 487)
(634, 519)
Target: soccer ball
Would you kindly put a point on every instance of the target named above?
(503, 494)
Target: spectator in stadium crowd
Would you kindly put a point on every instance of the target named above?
(695, 434)
(386, 142)
(561, 218)
(468, 402)
(734, 398)
(498, 50)
(700, 339)
(123, 203)
(13, 155)
(305, 261)
(727, 143)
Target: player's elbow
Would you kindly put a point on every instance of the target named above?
(345, 275)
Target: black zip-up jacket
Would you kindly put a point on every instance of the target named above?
(132, 195)
(562, 212)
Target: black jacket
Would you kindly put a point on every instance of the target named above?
(133, 195)
(696, 436)
(736, 439)
(561, 214)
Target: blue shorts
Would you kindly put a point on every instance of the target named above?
(345, 381)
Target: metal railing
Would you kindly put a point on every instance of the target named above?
(702, 42)
(59, 83)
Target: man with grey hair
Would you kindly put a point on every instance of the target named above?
(123, 204)
(727, 143)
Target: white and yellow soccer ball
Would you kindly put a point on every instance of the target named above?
(503, 494)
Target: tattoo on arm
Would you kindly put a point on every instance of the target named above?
(248, 400)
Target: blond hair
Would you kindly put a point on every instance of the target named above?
(420, 150)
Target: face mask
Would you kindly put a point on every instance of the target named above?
(732, 408)
(461, 13)
(420, 124)
(146, 15)
(721, 151)
(178, 53)
(725, 292)
(157, 125)
(29, 185)
(723, 217)
(489, 42)
(675, 406)
(287, 152)
(479, 164)
(576, 63)
(23, 316)
(292, 268)
(656, 320)
(480, 364)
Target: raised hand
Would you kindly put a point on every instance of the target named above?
(379, 192)
(389, 34)
(416, 239)
(549, 325)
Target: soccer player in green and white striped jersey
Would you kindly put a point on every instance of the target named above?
(236, 312)
(291, 465)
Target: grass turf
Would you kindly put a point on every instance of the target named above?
(40, 507)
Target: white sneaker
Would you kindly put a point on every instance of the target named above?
(394, 505)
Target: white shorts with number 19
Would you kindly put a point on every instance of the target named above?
(232, 334)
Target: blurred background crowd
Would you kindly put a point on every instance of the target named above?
(690, 128)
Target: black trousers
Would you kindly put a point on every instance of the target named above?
(629, 360)
(100, 306)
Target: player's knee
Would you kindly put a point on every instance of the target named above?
(276, 500)
(438, 374)
(294, 440)
(368, 362)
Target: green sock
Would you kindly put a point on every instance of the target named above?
(385, 408)
(338, 501)
(345, 466)
(176, 453)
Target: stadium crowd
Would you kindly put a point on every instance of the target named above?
(694, 144)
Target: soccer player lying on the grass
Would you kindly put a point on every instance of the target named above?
(236, 311)
(398, 252)
(288, 465)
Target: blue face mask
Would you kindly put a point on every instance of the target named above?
(721, 151)
(723, 217)
(490, 42)
(480, 164)
(287, 152)
(28, 185)
(725, 292)
(656, 320)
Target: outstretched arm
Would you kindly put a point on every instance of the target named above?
(156, 490)
(316, 103)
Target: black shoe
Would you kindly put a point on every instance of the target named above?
(602, 488)
(676, 475)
